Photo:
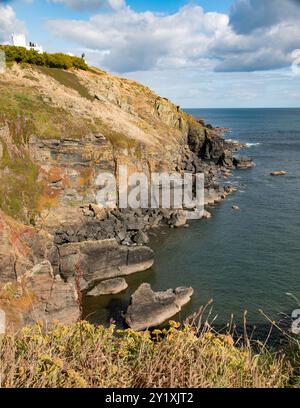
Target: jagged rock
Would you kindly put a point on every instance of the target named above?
(39, 296)
(149, 308)
(213, 149)
(230, 189)
(212, 196)
(54, 299)
(109, 287)
(141, 238)
(100, 260)
(243, 162)
(178, 219)
(21, 247)
(206, 215)
(278, 173)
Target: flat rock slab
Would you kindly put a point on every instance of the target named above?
(109, 287)
(95, 261)
(278, 173)
(149, 308)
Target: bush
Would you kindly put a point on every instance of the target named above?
(82, 355)
(58, 60)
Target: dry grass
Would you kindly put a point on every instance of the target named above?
(82, 355)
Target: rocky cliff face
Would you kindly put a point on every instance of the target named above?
(58, 131)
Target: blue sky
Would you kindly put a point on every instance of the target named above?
(206, 53)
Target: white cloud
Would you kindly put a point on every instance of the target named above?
(125, 41)
(9, 23)
(249, 15)
(92, 4)
(145, 40)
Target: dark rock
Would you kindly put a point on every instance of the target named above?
(243, 162)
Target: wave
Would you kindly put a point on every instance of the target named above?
(232, 141)
(252, 144)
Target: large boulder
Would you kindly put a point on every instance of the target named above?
(54, 299)
(149, 308)
(39, 295)
(92, 261)
(109, 287)
(29, 265)
(22, 247)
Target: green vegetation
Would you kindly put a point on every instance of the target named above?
(59, 60)
(39, 117)
(67, 79)
(19, 187)
(24, 113)
(82, 355)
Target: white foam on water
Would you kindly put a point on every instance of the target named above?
(252, 144)
(232, 141)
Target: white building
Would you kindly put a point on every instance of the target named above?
(19, 40)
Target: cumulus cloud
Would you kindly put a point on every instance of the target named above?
(257, 35)
(9, 23)
(141, 41)
(264, 35)
(92, 4)
(249, 15)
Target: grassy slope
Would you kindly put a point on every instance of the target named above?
(82, 355)
(27, 112)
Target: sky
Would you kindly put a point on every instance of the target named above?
(199, 53)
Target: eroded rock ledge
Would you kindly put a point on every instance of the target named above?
(90, 262)
(149, 308)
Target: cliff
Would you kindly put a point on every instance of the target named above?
(58, 130)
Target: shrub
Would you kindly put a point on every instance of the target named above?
(58, 60)
(82, 355)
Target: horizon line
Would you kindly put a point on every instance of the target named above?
(258, 107)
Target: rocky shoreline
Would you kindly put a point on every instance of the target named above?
(127, 231)
(56, 244)
(94, 254)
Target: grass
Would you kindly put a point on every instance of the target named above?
(25, 113)
(67, 79)
(42, 119)
(83, 355)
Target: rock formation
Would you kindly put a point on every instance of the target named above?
(149, 309)
(243, 162)
(109, 287)
(278, 173)
(89, 262)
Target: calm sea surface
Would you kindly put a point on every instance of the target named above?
(245, 260)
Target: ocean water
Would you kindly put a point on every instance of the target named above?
(247, 260)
